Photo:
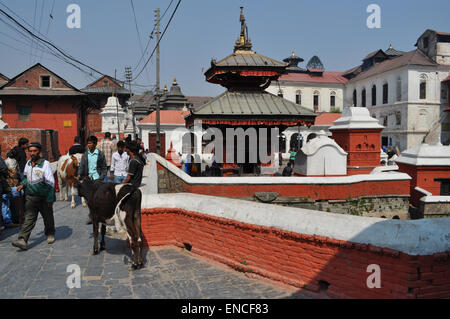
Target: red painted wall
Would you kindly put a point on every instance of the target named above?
(363, 146)
(46, 113)
(423, 177)
(300, 260)
(313, 191)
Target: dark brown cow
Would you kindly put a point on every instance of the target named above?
(115, 204)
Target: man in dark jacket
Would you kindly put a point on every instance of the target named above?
(93, 164)
(20, 155)
(76, 147)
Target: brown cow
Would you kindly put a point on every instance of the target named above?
(67, 168)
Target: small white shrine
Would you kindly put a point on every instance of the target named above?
(113, 112)
(321, 156)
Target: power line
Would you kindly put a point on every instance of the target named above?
(46, 46)
(151, 37)
(34, 21)
(162, 35)
(139, 35)
(49, 43)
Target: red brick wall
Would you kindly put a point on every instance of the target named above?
(423, 177)
(100, 83)
(31, 79)
(10, 137)
(46, 113)
(300, 260)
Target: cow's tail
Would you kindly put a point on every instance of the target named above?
(125, 198)
(120, 205)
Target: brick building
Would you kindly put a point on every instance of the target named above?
(39, 98)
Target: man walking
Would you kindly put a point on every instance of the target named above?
(108, 148)
(39, 185)
(76, 148)
(119, 164)
(93, 164)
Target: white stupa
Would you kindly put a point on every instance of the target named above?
(111, 113)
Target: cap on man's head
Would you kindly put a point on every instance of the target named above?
(35, 144)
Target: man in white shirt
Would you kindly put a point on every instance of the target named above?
(119, 164)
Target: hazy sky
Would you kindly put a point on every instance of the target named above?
(336, 31)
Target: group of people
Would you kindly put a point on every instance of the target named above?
(120, 162)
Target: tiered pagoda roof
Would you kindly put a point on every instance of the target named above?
(246, 74)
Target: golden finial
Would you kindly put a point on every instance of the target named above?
(390, 47)
(293, 53)
(165, 87)
(174, 81)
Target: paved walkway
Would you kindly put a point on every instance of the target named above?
(41, 272)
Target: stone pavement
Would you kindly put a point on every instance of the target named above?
(170, 272)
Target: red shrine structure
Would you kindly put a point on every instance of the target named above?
(246, 74)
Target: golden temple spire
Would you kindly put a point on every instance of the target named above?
(174, 81)
(244, 42)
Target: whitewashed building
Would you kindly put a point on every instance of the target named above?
(404, 91)
(313, 87)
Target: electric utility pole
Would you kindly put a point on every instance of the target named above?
(117, 106)
(128, 77)
(158, 140)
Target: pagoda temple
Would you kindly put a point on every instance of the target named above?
(246, 74)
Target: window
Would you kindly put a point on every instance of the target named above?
(354, 97)
(45, 81)
(316, 100)
(425, 43)
(445, 186)
(399, 89)
(444, 92)
(332, 99)
(385, 121)
(363, 98)
(24, 113)
(374, 95)
(105, 83)
(298, 98)
(423, 87)
(385, 93)
(398, 118)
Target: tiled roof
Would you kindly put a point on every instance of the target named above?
(105, 90)
(249, 59)
(251, 103)
(326, 118)
(166, 117)
(8, 91)
(415, 57)
(327, 77)
(198, 101)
